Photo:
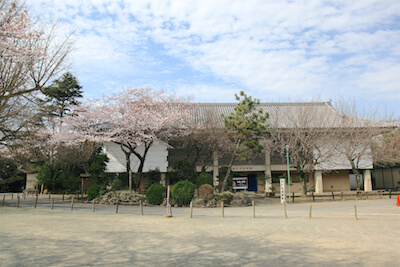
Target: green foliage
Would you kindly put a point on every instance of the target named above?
(182, 171)
(182, 192)
(11, 179)
(247, 124)
(60, 177)
(63, 94)
(117, 185)
(155, 194)
(153, 176)
(204, 178)
(93, 191)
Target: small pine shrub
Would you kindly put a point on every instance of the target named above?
(226, 195)
(206, 191)
(117, 185)
(155, 194)
(93, 191)
(204, 178)
(182, 192)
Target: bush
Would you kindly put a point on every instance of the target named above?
(117, 185)
(182, 192)
(155, 194)
(93, 191)
(204, 178)
(206, 191)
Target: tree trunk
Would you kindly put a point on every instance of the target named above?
(228, 173)
(357, 174)
(142, 159)
(128, 166)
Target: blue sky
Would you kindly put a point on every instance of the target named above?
(276, 51)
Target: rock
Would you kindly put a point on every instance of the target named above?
(199, 202)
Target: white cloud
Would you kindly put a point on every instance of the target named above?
(266, 47)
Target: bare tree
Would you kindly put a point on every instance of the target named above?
(204, 138)
(386, 149)
(304, 131)
(355, 134)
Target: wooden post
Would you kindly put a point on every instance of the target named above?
(390, 193)
(63, 196)
(191, 209)
(93, 206)
(36, 201)
(17, 201)
(333, 196)
(116, 207)
(4, 199)
(25, 195)
(52, 203)
(293, 196)
(141, 207)
(309, 213)
(254, 208)
(284, 209)
(72, 203)
(313, 199)
(222, 209)
(355, 212)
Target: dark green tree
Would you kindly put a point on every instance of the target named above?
(62, 95)
(11, 179)
(246, 125)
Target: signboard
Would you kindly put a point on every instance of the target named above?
(240, 183)
(283, 190)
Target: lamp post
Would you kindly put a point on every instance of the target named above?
(288, 171)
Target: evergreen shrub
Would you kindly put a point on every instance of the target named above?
(117, 185)
(182, 192)
(204, 178)
(155, 194)
(93, 191)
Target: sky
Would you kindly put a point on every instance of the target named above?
(276, 51)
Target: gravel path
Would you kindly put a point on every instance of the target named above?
(332, 237)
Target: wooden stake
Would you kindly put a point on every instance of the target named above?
(191, 209)
(309, 213)
(141, 207)
(52, 203)
(116, 207)
(284, 209)
(4, 199)
(93, 206)
(17, 201)
(355, 212)
(72, 204)
(222, 209)
(36, 201)
(254, 208)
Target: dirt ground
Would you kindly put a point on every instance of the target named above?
(332, 237)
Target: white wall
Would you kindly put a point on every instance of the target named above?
(156, 158)
(337, 160)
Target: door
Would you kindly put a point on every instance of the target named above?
(252, 178)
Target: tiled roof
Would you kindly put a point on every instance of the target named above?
(283, 115)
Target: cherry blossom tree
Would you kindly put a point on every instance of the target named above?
(31, 55)
(131, 118)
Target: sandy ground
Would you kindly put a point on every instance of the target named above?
(332, 237)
